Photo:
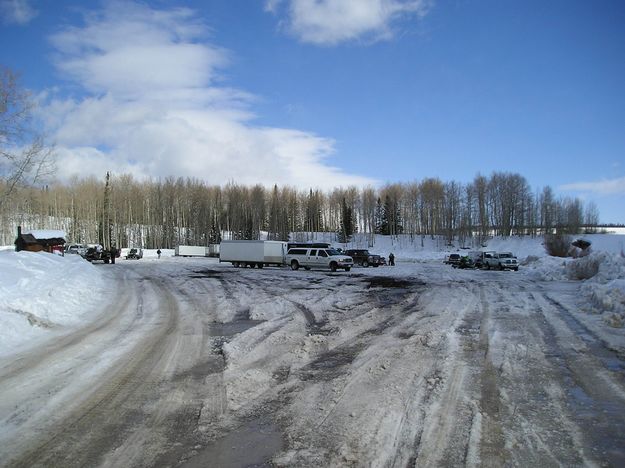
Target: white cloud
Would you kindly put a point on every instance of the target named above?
(602, 187)
(329, 22)
(154, 108)
(16, 11)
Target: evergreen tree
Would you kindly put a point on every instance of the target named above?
(381, 226)
(273, 228)
(347, 224)
(390, 223)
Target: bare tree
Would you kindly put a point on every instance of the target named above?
(24, 156)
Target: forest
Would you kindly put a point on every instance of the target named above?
(121, 211)
(124, 211)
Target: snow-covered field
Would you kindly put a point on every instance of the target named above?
(418, 363)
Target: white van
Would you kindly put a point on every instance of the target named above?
(316, 257)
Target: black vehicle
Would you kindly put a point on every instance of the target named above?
(363, 258)
(453, 259)
(135, 254)
(465, 262)
(98, 254)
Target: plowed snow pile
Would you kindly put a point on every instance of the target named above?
(41, 292)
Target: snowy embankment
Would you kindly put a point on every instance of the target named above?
(41, 293)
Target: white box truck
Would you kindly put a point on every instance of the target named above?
(253, 253)
(191, 251)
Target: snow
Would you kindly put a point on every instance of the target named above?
(46, 234)
(42, 293)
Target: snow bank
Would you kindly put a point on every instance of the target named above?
(41, 293)
(604, 284)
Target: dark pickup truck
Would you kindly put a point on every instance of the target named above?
(363, 258)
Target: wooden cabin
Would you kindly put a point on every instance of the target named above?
(40, 240)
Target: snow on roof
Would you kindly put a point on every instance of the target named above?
(46, 234)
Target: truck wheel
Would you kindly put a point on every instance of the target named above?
(106, 260)
(365, 264)
(348, 268)
(333, 266)
(260, 265)
(307, 268)
(294, 265)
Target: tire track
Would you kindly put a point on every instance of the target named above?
(95, 427)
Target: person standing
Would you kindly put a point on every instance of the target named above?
(391, 259)
(158, 252)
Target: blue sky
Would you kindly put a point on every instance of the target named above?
(332, 92)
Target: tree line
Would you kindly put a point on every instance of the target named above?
(123, 211)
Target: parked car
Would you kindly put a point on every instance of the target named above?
(465, 262)
(363, 258)
(501, 261)
(96, 253)
(77, 249)
(318, 258)
(134, 254)
(452, 259)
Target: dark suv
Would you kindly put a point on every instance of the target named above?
(363, 258)
(453, 259)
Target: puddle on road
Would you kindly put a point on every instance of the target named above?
(231, 328)
(251, 445)
(330, 365)
(208, 273)
(386, 282)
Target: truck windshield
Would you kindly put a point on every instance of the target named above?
(333, 252)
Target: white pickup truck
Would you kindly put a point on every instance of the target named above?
(501, 261)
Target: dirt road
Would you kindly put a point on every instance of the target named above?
(192, 363)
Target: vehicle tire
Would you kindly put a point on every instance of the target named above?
(365, 264)
(500, 267)
(106, 260)
(375, 265)
(294, 265)
(516, 269)
(307, 268)
(333, 266)
(348, 268)
(260, 265)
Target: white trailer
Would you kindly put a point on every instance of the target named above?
(253, 253)
(191, 251)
